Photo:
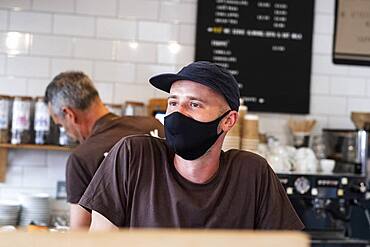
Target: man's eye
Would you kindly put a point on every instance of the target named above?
(194, 104)
(172, 103)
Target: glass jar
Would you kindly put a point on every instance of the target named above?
(115, 109)
(21, 120)
(133, 108)
(64, 139)
(5, 103)
(41, 121)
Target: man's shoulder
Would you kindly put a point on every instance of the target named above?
(141, 141)
(246, 160)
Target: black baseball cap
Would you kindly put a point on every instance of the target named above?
(206, 73)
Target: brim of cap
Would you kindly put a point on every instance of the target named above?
(164, 81)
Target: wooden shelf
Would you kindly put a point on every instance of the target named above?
(4, 148)
(36, 147)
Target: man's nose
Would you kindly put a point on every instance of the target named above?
(183, 109)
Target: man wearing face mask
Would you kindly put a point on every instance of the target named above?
(187, 181)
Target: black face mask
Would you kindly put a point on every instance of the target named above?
(189, 138)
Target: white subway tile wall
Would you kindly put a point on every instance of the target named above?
(120, 44)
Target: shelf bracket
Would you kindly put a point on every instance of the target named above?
(3, 163)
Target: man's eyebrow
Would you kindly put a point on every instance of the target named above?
(197, 99)
(172, 97)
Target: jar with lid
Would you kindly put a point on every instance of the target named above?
(5, 103)
(134, 108)
(64, 139)
(41, 121)
(116, 109)
(21, 120)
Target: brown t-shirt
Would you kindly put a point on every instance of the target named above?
(86, 158)
(138, 186)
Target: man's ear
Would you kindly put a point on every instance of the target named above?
(70, 114)
(230, 120)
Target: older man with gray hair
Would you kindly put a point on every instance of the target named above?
(74, 104)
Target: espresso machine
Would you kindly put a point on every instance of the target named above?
(334, 206)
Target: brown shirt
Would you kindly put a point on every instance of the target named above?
(138, 186)
(86, 158)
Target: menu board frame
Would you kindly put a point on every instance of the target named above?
(349, 58)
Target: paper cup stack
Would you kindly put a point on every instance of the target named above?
(250, 136)
(9, 212)
(232, 139)
(35, 208)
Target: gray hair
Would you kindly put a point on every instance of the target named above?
(70, 89)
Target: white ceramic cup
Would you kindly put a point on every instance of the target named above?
(327, 165)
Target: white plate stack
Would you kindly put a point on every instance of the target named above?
(9, 212)
(35, 208)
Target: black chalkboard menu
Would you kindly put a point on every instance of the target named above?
(265, 44)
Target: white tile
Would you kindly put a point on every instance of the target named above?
(114, 72)
(272, 124)
(14, 175)
(28, 66)
(105, 91)
(27, 158)
(16, 4)
(136, 52)
(2, 64)
(183, 55)
(160, 94)
(322, 44)
(13, 193)
(53, 5)
(187, 34)
(178, 12)
(56, 159)
(325, 6)
(30, 22)
(329, 105)
(13, 86)
(15, 43)
(61, 65)
(3, 20)
(133, 92)
(320, 84)
(94, 49)
(348, 86)
(96, 7)
(145, 71)
(56, 164)
(360, 71)
(368, 87)
(36, 177)
(358, 104)
(157, 32)
(139, 9)
(51, 45)
(74, 25)
(116, 29)
(323, 64)
(340, 123)
(37, 87)
(323, 24)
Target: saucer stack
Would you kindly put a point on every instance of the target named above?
(35, 208)
(250, 136)
(232, 139)
(9, 212)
